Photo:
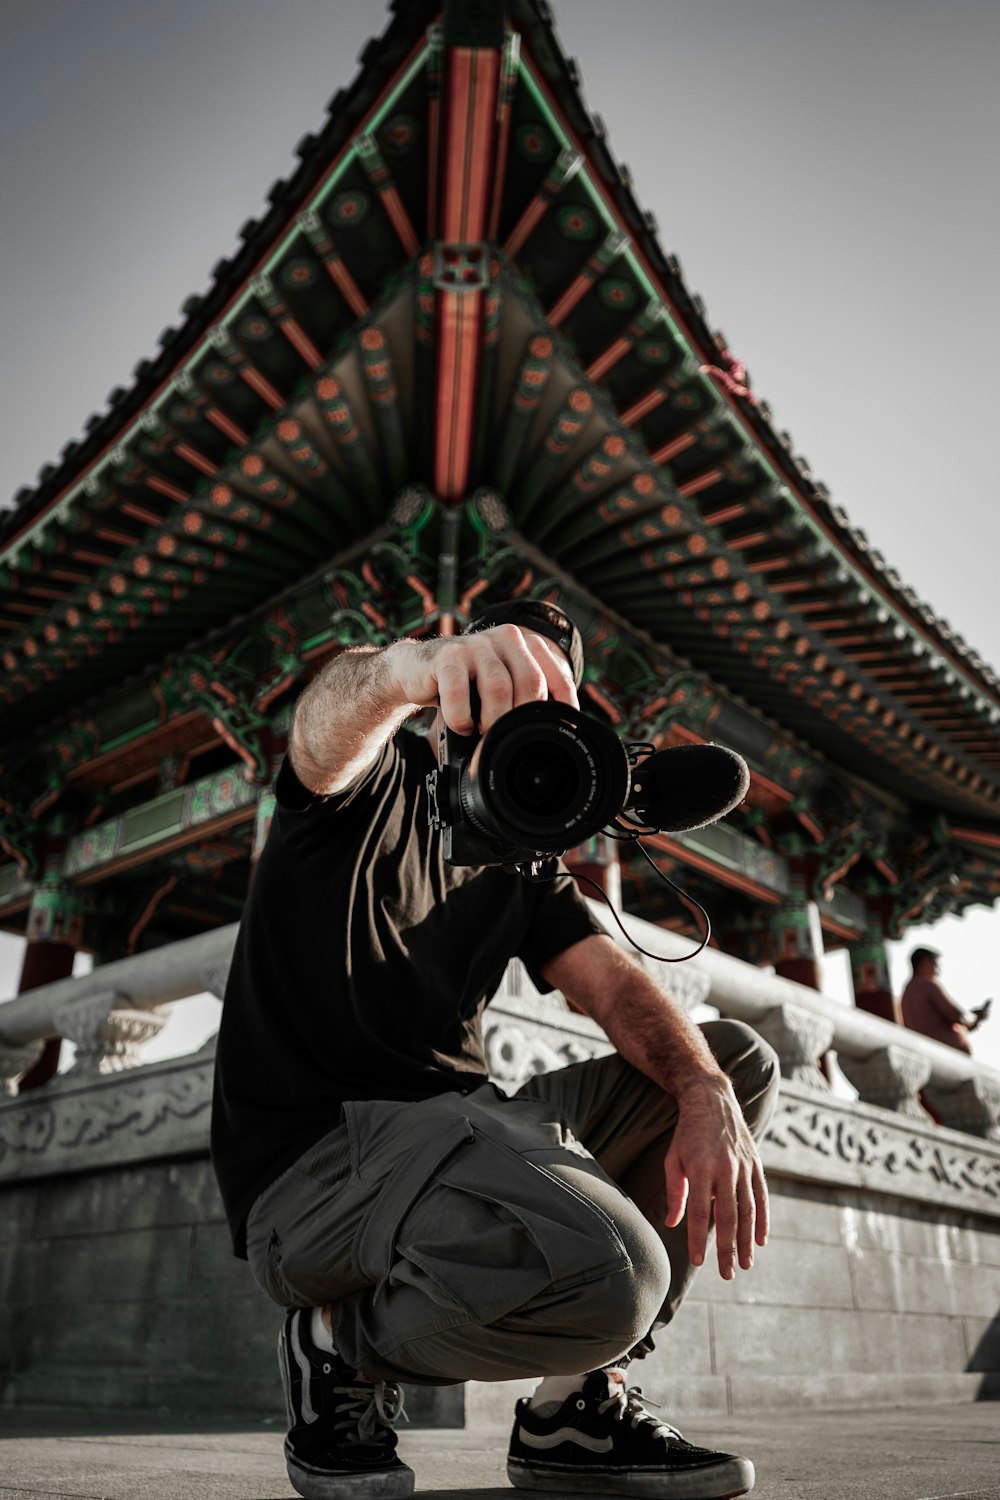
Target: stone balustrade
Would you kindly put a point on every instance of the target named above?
(884, 1251)
(887, 1065)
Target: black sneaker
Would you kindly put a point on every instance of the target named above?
(340, 1443)
(602, 1438)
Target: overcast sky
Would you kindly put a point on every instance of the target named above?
(824, 169)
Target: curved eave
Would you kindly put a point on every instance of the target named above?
(557, 79)
(671, 498)
(359, 106)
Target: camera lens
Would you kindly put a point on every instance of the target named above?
(544, 780)
(544, 777)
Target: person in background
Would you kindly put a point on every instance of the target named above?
(927, 1008)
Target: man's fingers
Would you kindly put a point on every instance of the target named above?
(506, 666)
(495, 689)
(555, 668)
(528, 681)
(726, 1221)
(677, 1189)
(699, 1217)
(746, 1210)
(454, 695)
(763, 1211)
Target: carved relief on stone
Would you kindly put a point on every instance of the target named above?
(516, 1050)
(840, 1142)
(892, 1077)
(162, 1110)
(108, 1036)
(800, 1037)
(973, 1107)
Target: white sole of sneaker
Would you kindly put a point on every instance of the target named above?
(317, 1484)
(720, 1482)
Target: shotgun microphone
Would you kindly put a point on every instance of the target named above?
(686, 786)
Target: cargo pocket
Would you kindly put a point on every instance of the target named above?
(470, 1231)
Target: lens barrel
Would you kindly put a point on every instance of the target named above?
(545, 777)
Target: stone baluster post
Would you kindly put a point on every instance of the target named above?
(973, 1107)
(892, 1078)
(800, 1037)
(107, 1032)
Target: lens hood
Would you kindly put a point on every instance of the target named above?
(544, 777)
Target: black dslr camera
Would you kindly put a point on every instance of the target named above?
(542, 779)
(546, 777)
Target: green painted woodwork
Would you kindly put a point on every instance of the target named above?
(56, 912)
(150, 826)
(280, 479)
(730, 850)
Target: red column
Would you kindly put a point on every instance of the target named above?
(870, 966)
(796, 935)
(55, 930)
(795, 932)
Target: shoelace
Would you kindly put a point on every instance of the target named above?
(368, 1408)
(632, 1404)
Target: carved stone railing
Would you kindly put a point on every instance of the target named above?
(108, 1015)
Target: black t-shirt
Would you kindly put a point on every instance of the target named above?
(362, 967)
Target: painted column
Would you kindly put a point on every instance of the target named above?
(55, 932)
(262, 824)
(274, 749)
(795, 931)
(796, 934)
(870, 965)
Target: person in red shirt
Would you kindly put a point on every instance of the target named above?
(928, 1009)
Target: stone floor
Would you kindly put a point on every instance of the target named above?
(928, 1453)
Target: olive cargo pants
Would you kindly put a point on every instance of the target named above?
(476, 1237)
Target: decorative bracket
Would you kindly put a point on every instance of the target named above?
(891, 1078)
(800, 1037)
(461, 268)
(107, 1035)
(973, 1107)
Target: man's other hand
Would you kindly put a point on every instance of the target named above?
(713, 1159)
(508, 665)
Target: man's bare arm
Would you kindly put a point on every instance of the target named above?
(713, 1157)
(358, 701)
(347, 713)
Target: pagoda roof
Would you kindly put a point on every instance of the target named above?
(273, 429)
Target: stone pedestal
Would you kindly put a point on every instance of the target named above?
(891, 1078)
(973, 1107)
(800, 1037)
